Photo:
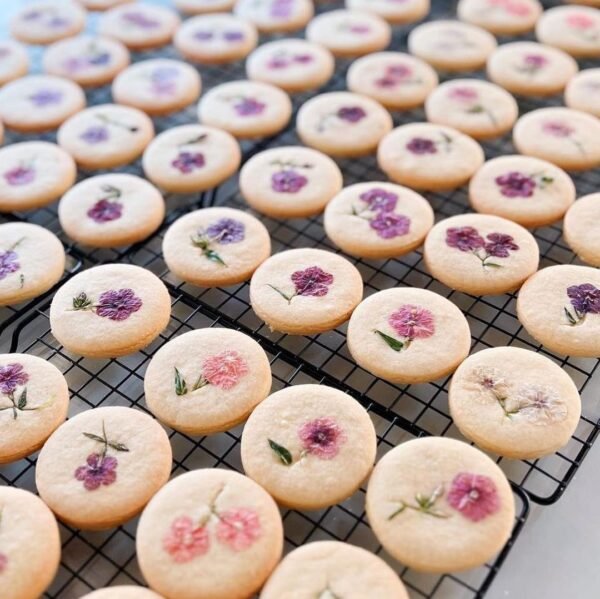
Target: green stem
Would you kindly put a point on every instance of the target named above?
(288, 298)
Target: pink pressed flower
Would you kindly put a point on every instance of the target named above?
(513, 7)
(412, 322)
(322, 438)
(184, 541)
(580, 21)
(474, 496)
(238, 528)
(463, 94)
(557, 129)
(225, 369)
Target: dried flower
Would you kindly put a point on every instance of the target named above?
(420, 145)
(313, 281)
(465, 239)
(9, 263)
(515, 184)
(11, 377)
(474, 496)
(184, 541)
(379, 200)
(389, 225)
(412, 322)
(249, 107)
(580, 21)
(104, 211)
(557, 129)
(238, 528)
(139, 19)
(321, 437)
(19, 175)
(46, 97)
(535, 61)
(118, 305)
(463, 94)
(351, 114)
(99, 470)
(288, 181)
(225, 369)
(540, 404)
(226, 231)
(500, 245)
(585, 298)
(95, 134)
(187, 162)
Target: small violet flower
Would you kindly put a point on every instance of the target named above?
(9, 263)
(226, 231)
(516, 185)
(584, 298)
(249, 107)
(465, 239)
(312, 281)
(99, 470)
(322, 438)
(351, 114)
(105, 211)
(500, 245)
(46, 97)
(389, 225)
(187, 162)
(288, 181)
(11, 377)
(118, 305)
(95, 134)
(379, 200)
(420, 145)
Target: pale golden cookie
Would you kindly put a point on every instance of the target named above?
(275, 16)
(199, 7)
(123, 592)
(396, 12)
(583, 92)
(501, 17)
(581, 228)
(102, 4)
(14, 61)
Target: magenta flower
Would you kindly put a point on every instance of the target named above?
(9, 263)
(465, 239)
(500, 245)
(303, 58)
(420, 145)
(463, 94)
(282, 9)
(474, 496)
(516, 185)
(95, 134)
(184, 541)
(514, 7)
(99, 470)
(118, 305)
(104, 211)
(288, 181)
(535, 61)
(225, 369)
(278, 62)
(249, 107)
(580, 21)
(322, 438)
(238, 528)
(139, 19)
(557, 129)
(19, 175)
(400, 71)
(379, 200)
(226, 231)
(312, 281)
(11, 377)
(46, 97)
(389, 225)
(359, 29)
(187, 162)
(351, 114)
(585, 298)
(412, 322)
(3, 562)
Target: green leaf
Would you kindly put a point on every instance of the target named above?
(94, 437)
(22, 399)
(81, 302)
(118, 446)
(476, 109)
(212, 255)
(492, 265)
(570, 317)
(546, 180)
(180, 384)
(282, 453)
(395, 344)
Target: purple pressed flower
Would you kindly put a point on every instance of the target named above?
(99, 59)
(389, 225)
(187, 162)
(99, 470)
(20, 175)
(379, 200)
(420, 145)
(226, 231)
(288, 181)
(163, 79)
(557, 129)
(465, 239)
(312, 281)
(500, 245)
(233, 36)
(32, 15)
(9, 263)
(57, 21)
(249, 107)
(360, 29)
(303, 58)
(322, 438)
(399, 71)
(104, 211)
(516, 185)
(203, 35)
(535, 61)
(352, 114)
(412, 322)
(95, 134)
(46, 97)
(463, 94)
(139, 19)
(585, 298)
(278, 62)
(11, 376)
(282, 9)
(118, 305)
(386, 82)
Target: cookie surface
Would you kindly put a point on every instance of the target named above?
(581, 228)
(198, 7)
(583, 92)
(274, 16)
(102, 4)
(14, 61)
(397, 13)
(123, 592)
(502, 17)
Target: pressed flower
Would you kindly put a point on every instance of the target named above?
(163, 80)
(99, 470)
(516, 185)
(187, 162)
(557, 129)
(359, 29)
(46, 97)
(12, 376)
(249, 107)
(224, 369)
(238, 528)
(95, 134)
(104, 211)
(351, 114)
(421, 145)
(9, 263)
(233, 36)
(535, 61)
(500, 245)
(19, 175)
(288, 181)
(584, 299)
(463, 94)
(185, 540)
(379, 200)
(322, 437)
(226, 231)
(580, 21)
(203, 35)
(514, 7)
(412, 322)
(474, 496)
(312, 281)
(281, 9)
(540, 404)
(139, 19)
(389, 225)
(118, 305)
(465, 239)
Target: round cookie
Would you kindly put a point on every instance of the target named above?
(204, 523)
(440, 505)
(110, 310)
(583, 92)
(501, 17)
(343, 124)
(378, 220)
(216, 247)
(349, 33)
(102, 4)
(123, 592)
(451, 45)
(34, 174)
(38, 103)
(309, 446)
(478, 108)
(481, 254)
(191, 158)
(275, 16)
(397, 81)
(14, 61)
(332, 569)
(290, 181)
(305, 291)
(111, 210)
(294, 65)
(581, 228)
(32, 260)
(397, 13)
(34, 399)
(559, 307)
(427, 156)
(566, 137)
(30, 542)
(514, 402)
(101, 467)
(246, 109)
(199, 7)
(207, 381)
(158, 86)
(529, 191)
(106, 136)
(215, 38)
(88, 60)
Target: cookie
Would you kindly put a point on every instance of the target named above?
(14, 61)
(428, 156)
(294, 65)
(106, 136)
(38, 103)
(305, 291)
(122, 592)
(159, 86)
(215, 38)
(397, 81)
(111, 210)
(583, 92)
(109, 311)
(199, 7)
(102, 4)
(529, 191)
(246, 109)
(34, 399)
(290, 181)
(191, 158)
(335, 569)
(91, 61)
(204, 523)
(275, 16)
(566, 137)
(34, 174)
(439, 505)
(559, 307)
(27, 524)
(452, 45)
(343, 124)
(101, 467)
(581, 228)
(478, 108)
(309, 446)
(397, 13)
(377, 220)
(501, 17)
(32, 260)
(349, 33)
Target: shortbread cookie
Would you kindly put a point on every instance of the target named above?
(158, 86)
(275, 16)
(440, 505)
(501, 17)
(427, 156)
(452, 45)
(514, 402)
(30, 543)
(530, 191)
(294, 65)
(559, 307)
(332, 569)
(199, 7)
(34, 174)
(101, 467)
(110, 310)
(202, 524)
(568, 138)
(583, 92)
(102, 4)
(37, 103)
(309, 446)
(349, 33)
(32, 260)
(191, 158)
(290, 181)
(215, 38)
(396, 80)
(581, 228)
(123, 592)
(397, 13)
(47, 21)
(89, 60)
(34, 399)
(378, 220)
(106, 136)
(207, 381)
(14, 61)
(305, 291)
(111, 210)
(343, 124)
(481, 254)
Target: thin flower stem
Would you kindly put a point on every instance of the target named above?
(15, 244)
(288, 298)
